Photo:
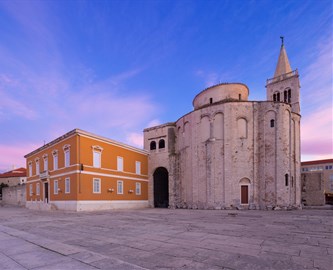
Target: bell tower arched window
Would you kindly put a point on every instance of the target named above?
(161, 144)
(152, 145)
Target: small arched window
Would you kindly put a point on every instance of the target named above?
(286, 178)
(272, 122)
(152, 145)
(210, 100)
(274, 97)
(278, 97)
(161, 144)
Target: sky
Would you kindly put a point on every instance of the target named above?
(114, 68)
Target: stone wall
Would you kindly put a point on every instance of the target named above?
(14, 195)
(313, 189)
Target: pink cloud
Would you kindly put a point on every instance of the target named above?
(135, 139)
(13, 155)
(317, 133)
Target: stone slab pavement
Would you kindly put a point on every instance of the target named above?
(166, 239)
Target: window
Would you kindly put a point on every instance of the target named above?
(285, 96)
(289, 96)
(67, 185)
(331, 182)
(67, 158)
(161, 144)
(37, 189)
(96, 185)
(30, 169)
(37, 166)
(138, 188)
(286, 178)
(55, 187)
(55, 160)
(152, 145)
(278, 97)
(272, 123)
(274, 97)
(120, 187)
(30, 189)
(240, 96)
(328, 167)
(120, 164)
(67, 154)
(210, 100)
(137, 167)
(97, 159)
(97, 154)
(46, 162)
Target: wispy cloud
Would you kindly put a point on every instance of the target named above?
(135, 139)
(317, 133)
(14, 156)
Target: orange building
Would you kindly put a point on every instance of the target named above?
(82, 171)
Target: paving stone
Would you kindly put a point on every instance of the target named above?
(165, 239)
(8, 263)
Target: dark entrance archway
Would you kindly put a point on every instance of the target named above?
(161, 188)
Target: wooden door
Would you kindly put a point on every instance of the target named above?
(244, 194)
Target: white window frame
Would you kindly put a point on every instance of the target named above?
(37, 188)
(67, 185)
(37, 167)
(55, 160)
(97, 158)
(97, 190)
(120, 187)
(137, 188)
(138, 167)
(46, 163)
(30, 168)
(67, 155)
(120, 164)
(30, 189)
(55, 187)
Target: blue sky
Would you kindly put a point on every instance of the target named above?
(115, 67)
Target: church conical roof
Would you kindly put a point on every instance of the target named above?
(283, 65)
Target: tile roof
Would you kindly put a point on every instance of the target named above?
(20, 172)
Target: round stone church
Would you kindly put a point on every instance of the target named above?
(230, 152)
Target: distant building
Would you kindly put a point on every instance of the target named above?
(231, 152)
(317, 182)
(82, 171)
(14, 177)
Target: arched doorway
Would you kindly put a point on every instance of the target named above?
(161, 188)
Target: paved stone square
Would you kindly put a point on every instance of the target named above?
(166, 239)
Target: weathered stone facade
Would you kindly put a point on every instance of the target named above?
(230, 152)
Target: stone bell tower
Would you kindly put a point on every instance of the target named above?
(284, 86)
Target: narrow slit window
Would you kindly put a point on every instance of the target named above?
(272, 123)
(210, 100)
(286, 179)
(278, 97)
(274, 97)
